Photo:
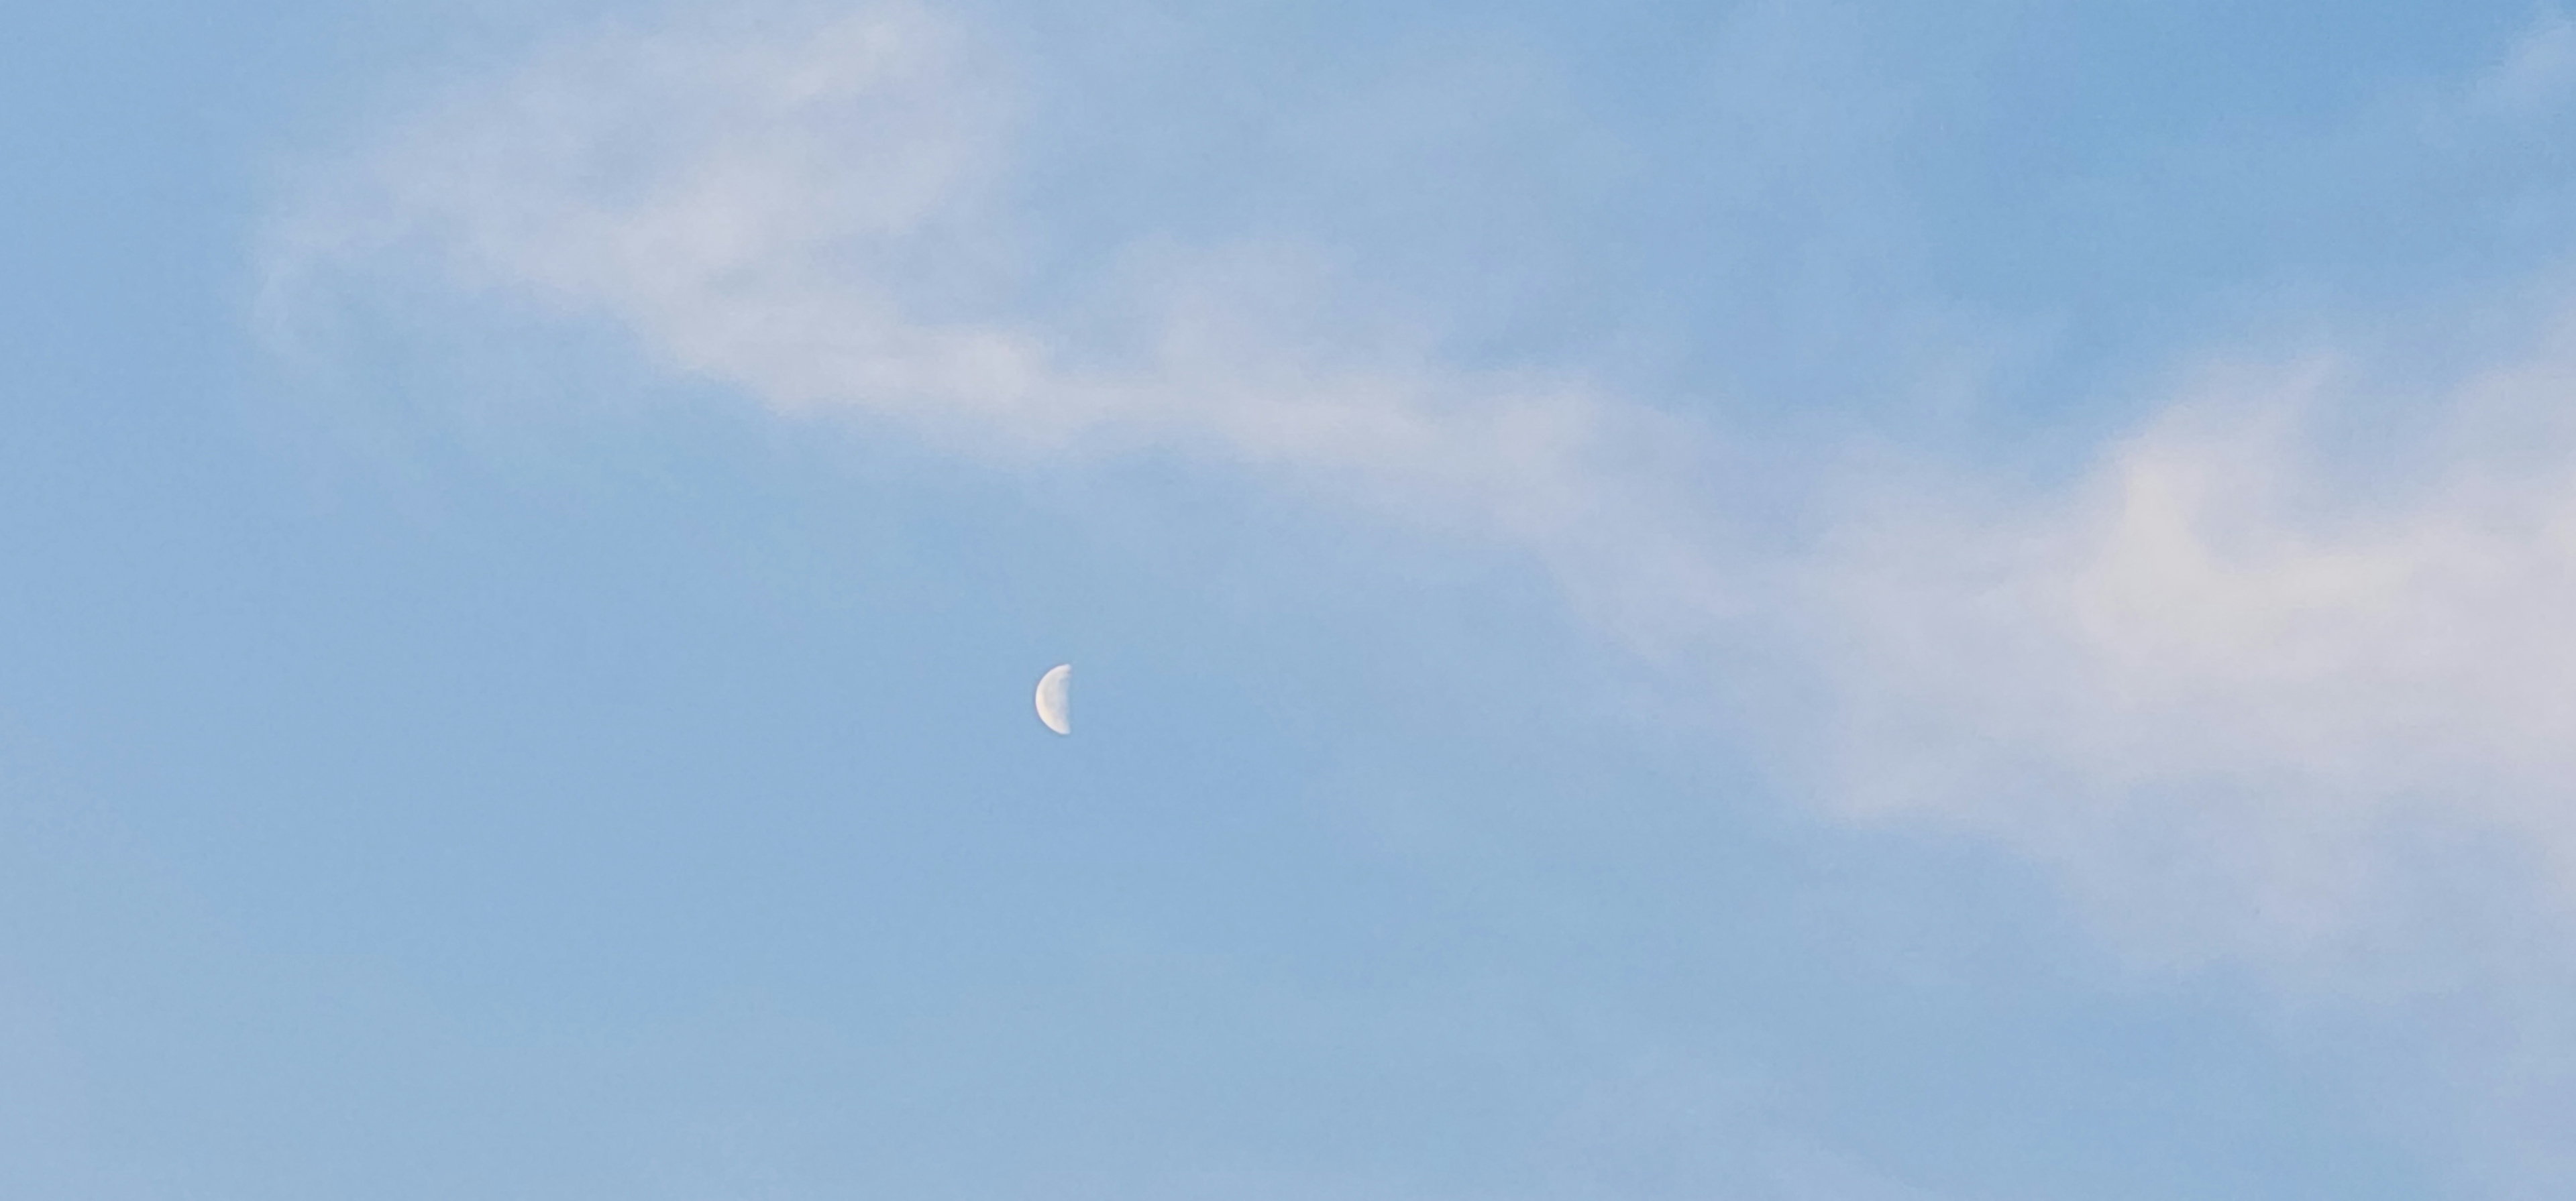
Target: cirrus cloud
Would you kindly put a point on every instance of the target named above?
(2214, 680)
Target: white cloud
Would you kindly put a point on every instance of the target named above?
(805, 209)
(2212, 682)
(2218, 676)
(2251, 699)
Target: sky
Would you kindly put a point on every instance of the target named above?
(1784, 601)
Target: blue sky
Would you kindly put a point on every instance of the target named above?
(1780, 600)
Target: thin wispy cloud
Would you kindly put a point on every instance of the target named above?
(2213, 681)
(2537, 74)
(2217, 677)
(805, 211)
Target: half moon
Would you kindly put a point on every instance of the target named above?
(1055, 698)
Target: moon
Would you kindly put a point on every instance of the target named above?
(1055, 698)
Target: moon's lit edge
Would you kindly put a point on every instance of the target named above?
(1056, 686)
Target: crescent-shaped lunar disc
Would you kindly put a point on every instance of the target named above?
(1055, 698)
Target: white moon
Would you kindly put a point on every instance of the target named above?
(1055, 698)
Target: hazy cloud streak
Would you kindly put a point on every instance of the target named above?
(2205, 681)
